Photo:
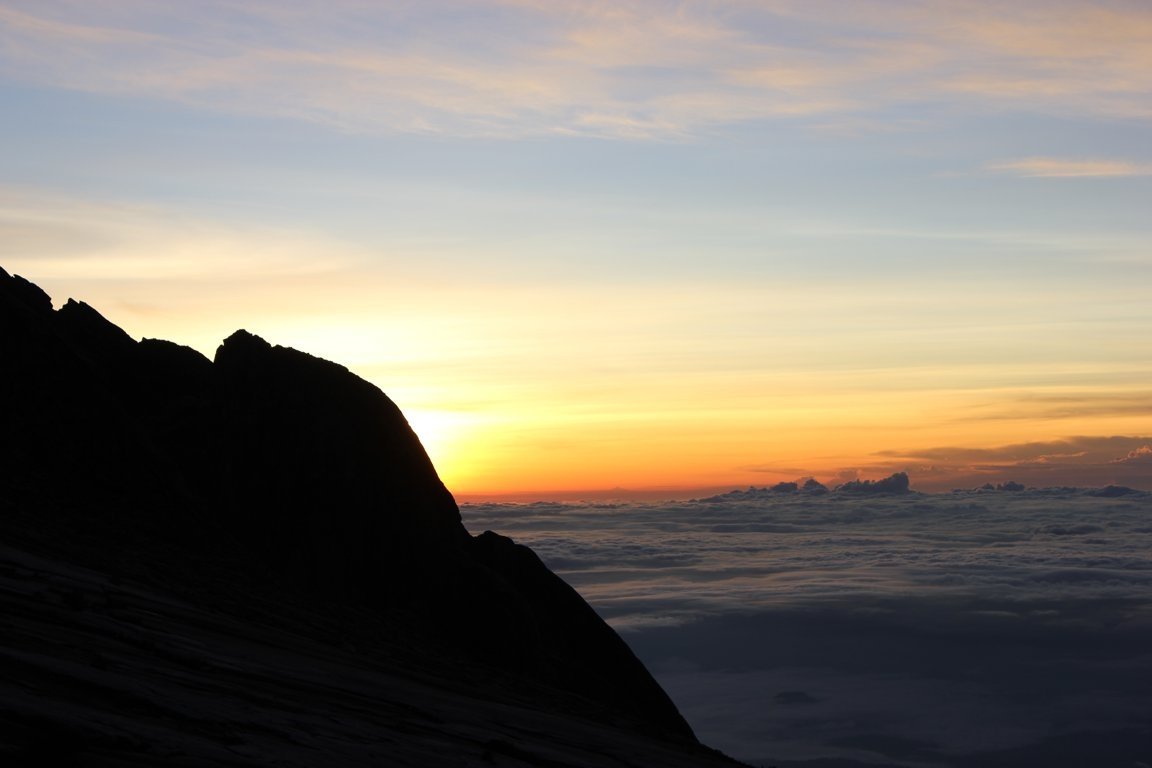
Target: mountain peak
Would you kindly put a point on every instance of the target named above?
(242, 338)
(269, 466)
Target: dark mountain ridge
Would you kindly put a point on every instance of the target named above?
(286, 497)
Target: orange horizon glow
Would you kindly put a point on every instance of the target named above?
(519, 426)
(525, 458)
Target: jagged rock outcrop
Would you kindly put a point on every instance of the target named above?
(291, 474)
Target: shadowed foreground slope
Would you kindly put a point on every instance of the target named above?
(252, 560)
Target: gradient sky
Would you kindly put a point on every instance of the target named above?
(588, 245)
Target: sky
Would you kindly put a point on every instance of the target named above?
(651, 246)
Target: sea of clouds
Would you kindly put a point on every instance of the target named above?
(976, 628)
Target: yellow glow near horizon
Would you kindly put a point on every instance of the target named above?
(640, 447)
(445, 437)
(669, 400)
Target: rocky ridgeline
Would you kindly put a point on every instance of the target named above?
(285, 473)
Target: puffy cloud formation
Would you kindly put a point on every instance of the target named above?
(956, 629)
(895, 483)
(1143, 455)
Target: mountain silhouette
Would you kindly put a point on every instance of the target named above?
(170, 521)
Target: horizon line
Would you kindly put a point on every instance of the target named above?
(688, 493)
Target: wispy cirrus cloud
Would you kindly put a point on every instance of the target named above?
(1111, 402)
(1061, 168)
(642, 69)
(1084, 448)
(51, 236)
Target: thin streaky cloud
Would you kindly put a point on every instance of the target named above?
(1085, 461)
(38, 27)
(1086, 448)
(1060, 168)
(53, 236)
(649, 70)
(1051, 408)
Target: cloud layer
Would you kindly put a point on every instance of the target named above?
(930, 630)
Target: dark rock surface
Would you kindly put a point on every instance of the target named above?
(252, 561)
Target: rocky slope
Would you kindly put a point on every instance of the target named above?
(251, 561)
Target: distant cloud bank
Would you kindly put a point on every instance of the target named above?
(1074, 461)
